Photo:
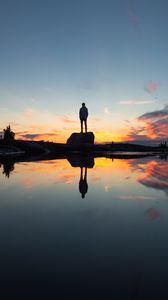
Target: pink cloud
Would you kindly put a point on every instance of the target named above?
(28, 113)
(68, 119)
(134, 18)
(151, 86)
(155, 126)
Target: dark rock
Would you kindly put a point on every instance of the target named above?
(81, 139)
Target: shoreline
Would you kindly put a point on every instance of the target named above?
(49, 150)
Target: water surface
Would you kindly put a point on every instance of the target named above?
(89, 233)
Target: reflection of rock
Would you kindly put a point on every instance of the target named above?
(81, 139)
(81, 161)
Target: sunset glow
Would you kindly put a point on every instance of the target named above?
(49, 68)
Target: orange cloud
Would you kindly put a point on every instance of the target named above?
(68, 119)
(154, 126)
(38, 136)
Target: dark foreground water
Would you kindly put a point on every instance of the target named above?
(84, 233)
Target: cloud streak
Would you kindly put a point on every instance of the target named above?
(157, 114)
(107, 111)
(136, 102)
(28, 113)
(37, 136)
(68, 119)
(134, 18)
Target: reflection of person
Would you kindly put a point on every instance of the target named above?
(83, 114)
(83, 186)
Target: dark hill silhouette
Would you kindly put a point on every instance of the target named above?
(49, 149)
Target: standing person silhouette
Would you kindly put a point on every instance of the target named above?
(83, 114)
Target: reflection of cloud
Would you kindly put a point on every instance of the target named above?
(136, 197)
(96, 178)
(107, 187)
(156, 176)
(27, 183)
(152, 214)
(66, 178)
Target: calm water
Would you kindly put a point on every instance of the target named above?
(93, 233)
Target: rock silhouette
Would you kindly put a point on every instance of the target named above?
(81, 138)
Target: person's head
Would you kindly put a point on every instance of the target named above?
(83, 104)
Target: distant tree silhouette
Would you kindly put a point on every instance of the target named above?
(9, 135)
(163, 147)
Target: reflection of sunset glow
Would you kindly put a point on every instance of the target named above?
(67, 178)
(108, 162)
(45, 173)
(107, 187)
(110, 175)
(27, 183)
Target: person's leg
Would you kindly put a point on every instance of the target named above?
(85, 125)
(81, 121)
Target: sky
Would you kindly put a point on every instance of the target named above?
(110, 54)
